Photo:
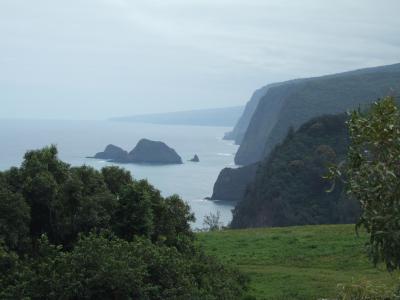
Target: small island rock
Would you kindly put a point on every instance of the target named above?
(145, 152)
(195, 158)
(113, 153)
(154, 152)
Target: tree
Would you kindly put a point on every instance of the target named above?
(212, 221)
(14, 219)
(134, 215)
(102, 266)
(172, 226)
(41, 173)
(372, 175)
(78, 233)
(116, 178)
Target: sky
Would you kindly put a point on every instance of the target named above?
(95, 59)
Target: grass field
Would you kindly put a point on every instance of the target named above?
(305, 262)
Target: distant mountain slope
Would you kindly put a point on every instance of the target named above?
(294, 102)
(288, 188)
(205, 117)
(238, 132)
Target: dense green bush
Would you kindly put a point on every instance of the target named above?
(78, 233)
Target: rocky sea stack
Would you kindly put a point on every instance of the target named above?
(145, 152)
(195, 158)
(152, 152)
(113, 153)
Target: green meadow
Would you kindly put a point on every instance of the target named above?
(304, 262)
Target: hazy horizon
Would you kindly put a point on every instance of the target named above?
(98, 59)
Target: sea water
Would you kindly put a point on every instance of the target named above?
(76, 140)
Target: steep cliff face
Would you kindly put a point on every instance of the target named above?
(289, 188)
(261, 124)
(238, 132)
(293, 103)
(231, 184)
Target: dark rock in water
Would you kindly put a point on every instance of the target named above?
(231, 184)
(195, 158)
(113, 153)
(153, 152)
(146, 151)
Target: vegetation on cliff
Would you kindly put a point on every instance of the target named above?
(289, 188)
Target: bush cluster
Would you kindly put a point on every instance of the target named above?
(78, 233)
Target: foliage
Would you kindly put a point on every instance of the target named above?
(116, 179)
(14, 219)
(106, 267)
(78, 233)
(212, 221)
(134, 214)
(304, 262)
(288, 188)
(372, 177)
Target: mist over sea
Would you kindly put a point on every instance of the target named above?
(78, 139)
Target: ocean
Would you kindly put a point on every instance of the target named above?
(76, 140)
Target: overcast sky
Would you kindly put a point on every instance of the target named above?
(94, 59)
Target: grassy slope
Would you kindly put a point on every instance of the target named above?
(304, 262)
